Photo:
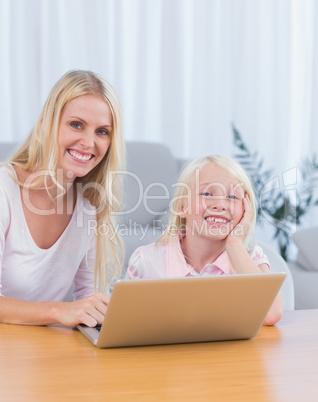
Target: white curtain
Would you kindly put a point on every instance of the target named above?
(185, 70)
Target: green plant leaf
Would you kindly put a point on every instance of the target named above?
(274, 205)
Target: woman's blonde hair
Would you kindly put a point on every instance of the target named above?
(40, 151)
(177, 223)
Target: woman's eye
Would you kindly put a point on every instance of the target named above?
(206, 194)
(102, 131)
(76, 124)
(232, 197)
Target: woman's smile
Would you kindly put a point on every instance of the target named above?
(80, 156)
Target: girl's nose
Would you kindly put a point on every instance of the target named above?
(217, 204)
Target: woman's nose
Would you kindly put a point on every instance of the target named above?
(87, 139)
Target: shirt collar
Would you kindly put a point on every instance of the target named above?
(223, 262)
(177, 265)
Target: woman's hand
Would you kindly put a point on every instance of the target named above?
(89, 311)
(241, 229)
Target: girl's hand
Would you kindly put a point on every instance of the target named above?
(89, 311)
(241, 229)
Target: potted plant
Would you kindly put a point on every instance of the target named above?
(274, 203)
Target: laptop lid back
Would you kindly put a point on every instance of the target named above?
(191, 309)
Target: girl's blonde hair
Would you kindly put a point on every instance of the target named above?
(177, 224)
(40, 152)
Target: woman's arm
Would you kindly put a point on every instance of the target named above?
(89, 311)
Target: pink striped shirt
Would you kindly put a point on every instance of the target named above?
(166, 260)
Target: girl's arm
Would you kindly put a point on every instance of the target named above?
(240, 258)
(243, 263)
(276, 311)
(89, 311)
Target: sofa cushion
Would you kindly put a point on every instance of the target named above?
(305, 283)
(148, 183)
(6, 149)
(306, 242)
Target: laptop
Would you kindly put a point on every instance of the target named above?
(183, 310)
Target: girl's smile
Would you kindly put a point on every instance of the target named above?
(217, 220)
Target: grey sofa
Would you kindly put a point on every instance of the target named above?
(305, 268)
(149, 181)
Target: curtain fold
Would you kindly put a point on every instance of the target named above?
(185, 70)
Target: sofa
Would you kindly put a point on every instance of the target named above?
(305, 268)
(149, 181)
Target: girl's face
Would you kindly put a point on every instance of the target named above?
(215, 205)
(84, 135)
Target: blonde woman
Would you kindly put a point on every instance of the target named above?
(213, 214)
(58, 200)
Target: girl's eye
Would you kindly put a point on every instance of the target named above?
(206, 194)
(232, 197)
(76, 124)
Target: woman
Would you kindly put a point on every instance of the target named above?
(58, 200)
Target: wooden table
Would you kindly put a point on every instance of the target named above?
(60, 364)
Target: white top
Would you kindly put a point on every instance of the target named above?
(30, 273)
(166, 260)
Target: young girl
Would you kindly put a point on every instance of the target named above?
(213, 214)
(57, 195)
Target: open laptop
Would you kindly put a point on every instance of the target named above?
(182, 310)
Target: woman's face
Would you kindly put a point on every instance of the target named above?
(84, 136)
